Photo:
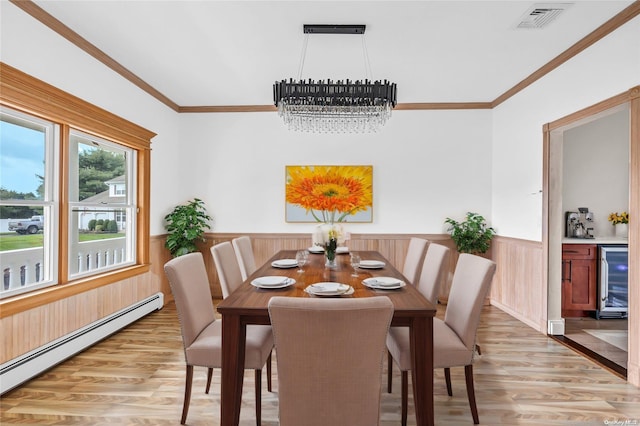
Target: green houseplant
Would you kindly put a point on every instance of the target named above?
(186, 224)
(471, 235)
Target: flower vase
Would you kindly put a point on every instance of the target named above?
(622, 230)
(330, 253)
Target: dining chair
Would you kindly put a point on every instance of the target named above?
(414, 258)
(432, 277)
(454, 337)
(329, 358)
(244, 254)
(202, 333)
(227, 267)
(230, 277)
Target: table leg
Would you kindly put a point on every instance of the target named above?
(421, 333)
(233, 347)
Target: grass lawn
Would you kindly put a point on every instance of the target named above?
(15, 241)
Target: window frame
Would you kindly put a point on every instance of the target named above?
(26, 94)
(48, 203)
(128, 202)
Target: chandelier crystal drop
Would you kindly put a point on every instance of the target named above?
(342, 106)
(334, 107)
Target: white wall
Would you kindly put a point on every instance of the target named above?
(608, 68)
(426, 166)
(29, 46)
(595, 169)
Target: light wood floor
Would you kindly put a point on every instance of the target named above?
(137, 377)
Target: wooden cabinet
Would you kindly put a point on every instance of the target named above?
(579, 279)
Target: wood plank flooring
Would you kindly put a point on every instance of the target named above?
(136, 377)
(603, 340)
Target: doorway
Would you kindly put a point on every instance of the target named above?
(554, 134)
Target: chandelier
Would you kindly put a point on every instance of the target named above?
(342, 106)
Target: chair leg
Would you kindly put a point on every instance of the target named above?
(209, 376)
(447, 379)
(405, 395)
(258, 397)
(389, 371)
(468, 374)
(269, 373)
(478, 349)
(187, 393)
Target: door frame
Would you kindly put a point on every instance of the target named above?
(552, 220)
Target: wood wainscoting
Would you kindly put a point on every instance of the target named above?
(392, 246)
(32, 328)
(517, 287)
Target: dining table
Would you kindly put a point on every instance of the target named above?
(248, 304)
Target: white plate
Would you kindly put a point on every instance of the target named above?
(372, 264)
(383, 283)
(319, 249)
(329, 289)
(273, 282)
(284, 263)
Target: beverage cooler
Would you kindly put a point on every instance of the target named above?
(613, 297)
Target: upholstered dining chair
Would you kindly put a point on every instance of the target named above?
(244, 254)
(329, 357)
(414, 258)
(227, 267)
(432, 277)
(454, 337)
(202, 333)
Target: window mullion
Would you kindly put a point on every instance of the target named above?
(63, 217)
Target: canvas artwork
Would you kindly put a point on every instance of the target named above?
(329, 194)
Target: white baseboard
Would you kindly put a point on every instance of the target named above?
(18, 370)
(555, 327)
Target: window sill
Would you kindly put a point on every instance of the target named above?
(24, 302)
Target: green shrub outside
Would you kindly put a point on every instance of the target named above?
(113, 226)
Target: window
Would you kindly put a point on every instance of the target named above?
(27, 202)
(81, 196)
(98, 237)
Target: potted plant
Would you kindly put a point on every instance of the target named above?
(471, 235)
(186, 224)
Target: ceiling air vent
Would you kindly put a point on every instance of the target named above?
(542, 14)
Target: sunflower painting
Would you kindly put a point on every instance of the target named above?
(329, 194)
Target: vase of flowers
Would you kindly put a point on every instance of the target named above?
(620, 221)
(329, 236)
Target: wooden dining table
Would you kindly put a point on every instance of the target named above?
(249, 305)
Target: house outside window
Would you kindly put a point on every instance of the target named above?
(99, 169)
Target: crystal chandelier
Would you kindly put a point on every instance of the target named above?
(360, 106)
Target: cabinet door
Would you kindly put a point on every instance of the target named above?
(579, 285)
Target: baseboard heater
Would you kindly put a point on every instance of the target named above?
(31, 364)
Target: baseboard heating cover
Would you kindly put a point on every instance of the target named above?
(29, 365)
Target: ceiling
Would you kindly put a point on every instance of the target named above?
(225, 53)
